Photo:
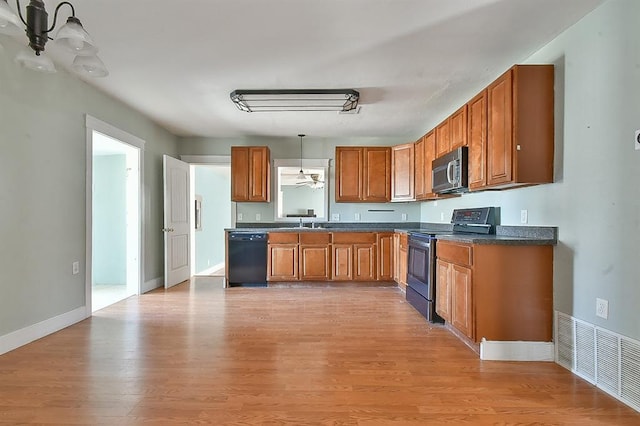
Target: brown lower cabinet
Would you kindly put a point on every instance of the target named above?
(324, 256)
(497, 292)
(315, 256)
(400, 249)
(354, 256)
(282, 257)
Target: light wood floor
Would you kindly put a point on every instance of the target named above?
(199, 354)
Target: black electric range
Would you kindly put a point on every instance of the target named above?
(421, 269)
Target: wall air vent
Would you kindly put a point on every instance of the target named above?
(604, 358)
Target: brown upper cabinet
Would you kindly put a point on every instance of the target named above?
(477, 134)
(363, 174)
(425, 153)
(250, 174)
(452, 132)
(520, 127)
(402, 172)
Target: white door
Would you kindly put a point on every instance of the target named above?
(177, 213)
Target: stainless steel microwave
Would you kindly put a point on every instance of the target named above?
(450, 172)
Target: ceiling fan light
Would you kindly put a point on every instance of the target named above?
(73, 37)
(90, 66)
(9, 21)
(40, 62)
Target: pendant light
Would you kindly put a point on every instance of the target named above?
(301, 176)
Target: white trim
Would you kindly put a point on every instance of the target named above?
(308, 162)
(210, 270)
(94, 124)
(206, 159)
(114, 132)
(152, 285)
(21, 337)
(517, 351)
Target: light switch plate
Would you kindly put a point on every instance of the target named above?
(637, 141)
(356, 216)
(335, 217)
(524, 216)
(258, 216)
(239, 216)
(404, 217)
(75, 268)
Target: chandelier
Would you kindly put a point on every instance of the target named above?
(71, 36)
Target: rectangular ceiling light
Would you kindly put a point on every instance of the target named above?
(295, 100)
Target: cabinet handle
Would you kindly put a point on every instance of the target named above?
(167, 229)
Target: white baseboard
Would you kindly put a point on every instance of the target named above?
(211, 270)
(517, 351)
(21, 337)
(152, 284)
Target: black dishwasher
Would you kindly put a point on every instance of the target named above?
(247, 253)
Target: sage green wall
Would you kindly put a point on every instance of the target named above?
(595, 200)
(109, 219)
(43, 184)
(287, 148)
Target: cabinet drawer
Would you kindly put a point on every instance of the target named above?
(283, 237)
(459, 254)
(354, 237)
(315, 238)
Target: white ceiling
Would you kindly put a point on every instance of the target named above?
(413, 61)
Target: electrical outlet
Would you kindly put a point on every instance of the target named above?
(524, 216)
(239, 216)
(335, 217)
(441, 215)
(602, 308)
(258, 216)
(356, 216)
(404, 217)
(75, 268)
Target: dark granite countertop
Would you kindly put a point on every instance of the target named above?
(505, 235)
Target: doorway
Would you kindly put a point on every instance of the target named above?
(211, 198)
(114, 213)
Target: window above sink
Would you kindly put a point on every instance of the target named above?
(303, 195)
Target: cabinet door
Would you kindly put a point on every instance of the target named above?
(419, 170)
(250, 173)
(239, 173)
(385, 256)
(443, 289)
(458, 124)
(429, 156)
(283, 262)
(349, 169)
(477, 134)
(443, 138)
(500, 130)
(315, 262)
(403, 267)
(342, 269)
(377, 174)
(259, 174)
(364, 262)
(402, 172)
(461, 299)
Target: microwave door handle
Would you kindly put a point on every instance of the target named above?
(450, 166)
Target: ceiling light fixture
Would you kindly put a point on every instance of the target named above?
(295, 100)
(301, 176)
(71, 35)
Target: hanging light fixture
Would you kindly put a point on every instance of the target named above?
(301, 176)
(71, 36)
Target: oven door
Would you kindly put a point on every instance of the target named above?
(420, 268)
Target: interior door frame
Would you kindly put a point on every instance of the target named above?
(93, 124)
(205, 160)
